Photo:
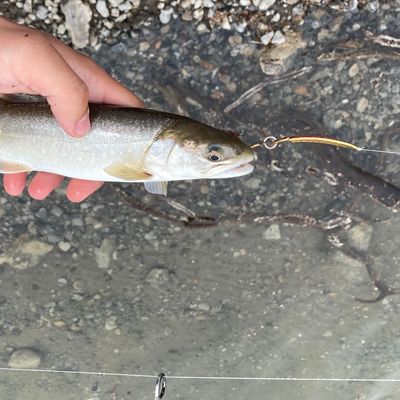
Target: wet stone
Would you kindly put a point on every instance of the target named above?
(25, 253)
(354, 70)
(158, 275)
(362, 104)
(25, 358)
(103, 253)
(360, 236)
(272, 233)
(110, 323)
(64, 246)
(253, 183)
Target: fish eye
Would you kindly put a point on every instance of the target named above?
(214, 153)
(214, 157)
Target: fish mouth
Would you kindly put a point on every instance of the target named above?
(240, 170)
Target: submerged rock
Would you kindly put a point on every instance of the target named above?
(24, 253)
(278, 59)
(25, 358)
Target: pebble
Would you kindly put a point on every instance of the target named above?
(266, 38)
(62, 282)
(165, 15)
(25, 358)
(57, 211)
(77, 19)
(115, 3)
(278, 38)
(110, 323)
(102, 9)
(272, 233)
(158, 276)
(42, 12)
(360, 236)
(362, 104)
(144, 46)
(354, 70)
(292, 2)
(103, 253)
(64, 246)
(265, 4)
(253, 183)
(77, 221)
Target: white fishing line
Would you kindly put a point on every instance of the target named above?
(209, 378)
(397, 153)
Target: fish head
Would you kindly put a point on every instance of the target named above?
(192, 150)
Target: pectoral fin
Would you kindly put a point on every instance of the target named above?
(11, 167)
(156, 187)
(127, 172)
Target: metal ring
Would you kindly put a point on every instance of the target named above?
(161, 385)
(271, 139)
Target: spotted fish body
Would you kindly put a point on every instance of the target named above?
(124, 145)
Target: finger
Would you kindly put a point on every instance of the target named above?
(43, 183)
(14, 184)
(80, 189)
(50, 76)
(102, 87)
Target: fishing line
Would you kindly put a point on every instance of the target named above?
(208, 378)
(271, 142)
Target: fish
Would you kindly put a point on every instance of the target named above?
(124, 145)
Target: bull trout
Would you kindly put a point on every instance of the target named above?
(124, 145)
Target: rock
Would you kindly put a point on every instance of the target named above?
(298, 11)
(24, 253)
(272, 233)
(292, 2)
(110, 323)
(362, 104)
(265, 4)
(57, 211)
(187, 16)
(158, 276)
(165, 15)
(324, 34)
(25, 358)
(253, 183)
(360, 236)
(354, 70)
(278, 59)
(102, 9)
(266, 38)
(103, 253)
(77, 20)
(42, 12)
(208, 3)
(115, 3)
(278, 38)
(77, 221)
(64, 246)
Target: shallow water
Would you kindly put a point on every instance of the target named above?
(287, 295)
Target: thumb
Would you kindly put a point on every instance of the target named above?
(50, 76)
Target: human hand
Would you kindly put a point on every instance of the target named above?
(34, 62)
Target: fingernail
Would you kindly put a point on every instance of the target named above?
(82, 127)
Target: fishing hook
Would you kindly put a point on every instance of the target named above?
(271, 142)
